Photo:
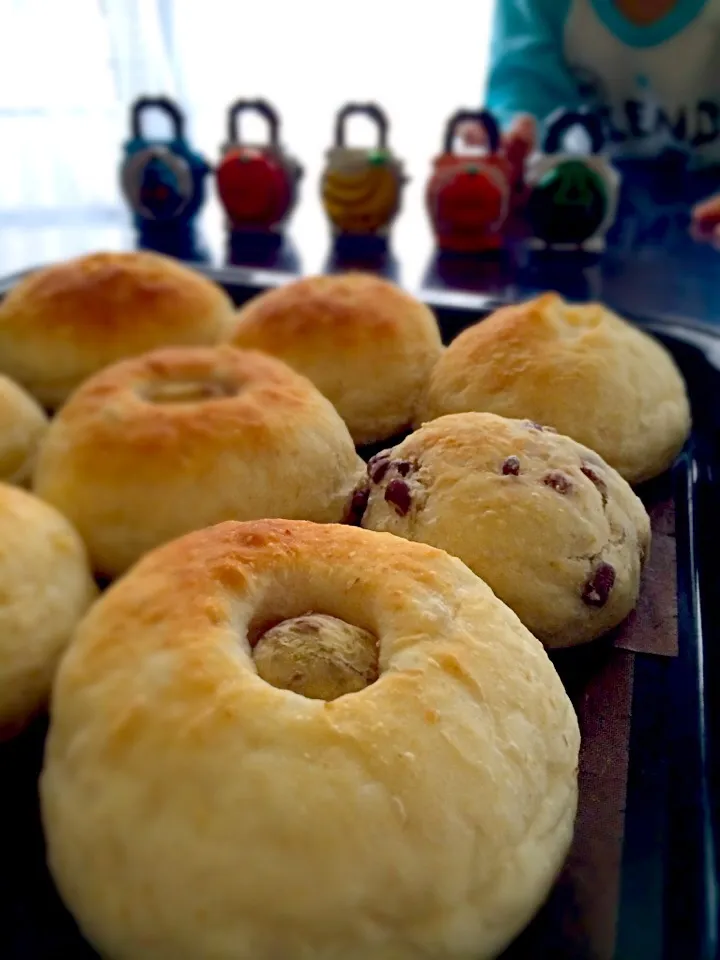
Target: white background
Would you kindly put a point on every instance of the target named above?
(69, 69)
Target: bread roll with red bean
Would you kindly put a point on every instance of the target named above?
(285, 741)
(577, 367)
(556, 532)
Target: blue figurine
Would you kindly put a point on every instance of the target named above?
(163, 181)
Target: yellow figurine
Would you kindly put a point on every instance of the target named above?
(361, 186)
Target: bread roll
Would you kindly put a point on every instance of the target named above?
(45, 587)
(22, 425)
(578, 368)
(63, 323)
(195, 810)
(185, 437)
(557, 533)
(364, 343)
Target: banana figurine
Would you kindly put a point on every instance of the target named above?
(361, 188)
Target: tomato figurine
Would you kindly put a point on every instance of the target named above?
(572, 198)
(469, 197)
(257, 184)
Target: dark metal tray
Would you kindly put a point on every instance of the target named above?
(667, 902)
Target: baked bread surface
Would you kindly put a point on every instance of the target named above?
(22, 425)
(556, 532)
(45, 588)
(577, 367)
(367, 345)
(64, 322)
(185, 437)
(194, 811)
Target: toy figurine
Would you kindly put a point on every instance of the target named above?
(257, 184)
(572, 197)
(361, 187)
(469, 197)
(163, 181)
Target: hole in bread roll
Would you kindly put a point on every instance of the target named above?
(187, 391)
(317, 656)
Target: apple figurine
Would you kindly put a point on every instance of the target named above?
(257, 183)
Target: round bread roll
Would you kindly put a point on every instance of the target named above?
(195, 807)
(364, 343)
(185, 437)
(557, 533)
(62, 323)
(22, 426)
(578, 368)
(45, 588)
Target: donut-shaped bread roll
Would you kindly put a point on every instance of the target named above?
(22, 425)
(557, 533)
(185, 437)
(45, 588)
(287, 740)
(64, 322)
(365, 343)
(577, 367)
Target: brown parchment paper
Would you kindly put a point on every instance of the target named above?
(652, 627)
(579, 921)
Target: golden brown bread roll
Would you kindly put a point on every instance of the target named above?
(578, 368)
(194, 810)
(45, 587)
(64, 322)
(364, 343)
(552, 529)
(185, 437)
(22, 425)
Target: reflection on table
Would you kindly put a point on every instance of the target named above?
(652, 266)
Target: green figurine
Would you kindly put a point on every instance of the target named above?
(572, 197)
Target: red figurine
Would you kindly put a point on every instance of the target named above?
(257, 184)
(469, 197)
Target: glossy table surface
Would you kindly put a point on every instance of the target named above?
(652, 266)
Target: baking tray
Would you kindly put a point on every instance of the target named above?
(641, 882)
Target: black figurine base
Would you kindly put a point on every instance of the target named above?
(371, 254)
(262, 249)
(487, 272)
(181, 242)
